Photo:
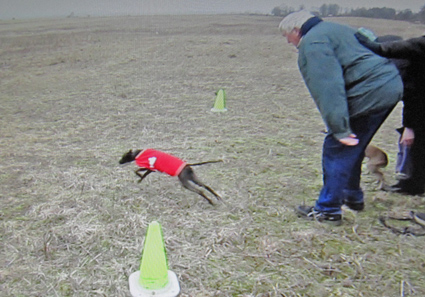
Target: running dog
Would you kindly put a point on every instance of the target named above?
(151, 160)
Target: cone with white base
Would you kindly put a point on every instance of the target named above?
(153, 277)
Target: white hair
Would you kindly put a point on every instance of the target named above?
(294, 20)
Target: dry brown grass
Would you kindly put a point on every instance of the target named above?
(77, 93)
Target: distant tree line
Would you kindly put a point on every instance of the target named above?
(327, 10)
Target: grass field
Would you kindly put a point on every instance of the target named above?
(77, 93)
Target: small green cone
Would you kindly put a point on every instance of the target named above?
(154, 266)
(220, 101)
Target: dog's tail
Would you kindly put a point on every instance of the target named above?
(207, 162)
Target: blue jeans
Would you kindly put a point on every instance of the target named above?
(404, 163)
(342, 164)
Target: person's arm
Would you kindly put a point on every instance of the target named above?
(408, 136)
(413, 48)
(410, 49)
(323, 76)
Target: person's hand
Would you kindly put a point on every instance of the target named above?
(408, 137)
(351, 140)
(365, 41)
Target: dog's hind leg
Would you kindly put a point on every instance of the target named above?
(189, 175)
(188, 186)
(375, 169)
(185, 178)
(201, 184)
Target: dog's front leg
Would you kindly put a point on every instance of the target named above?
(144, 175)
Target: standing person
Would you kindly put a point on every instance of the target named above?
(409, 56)
(354, 90)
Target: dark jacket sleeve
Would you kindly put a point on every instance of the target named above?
(411, 49)
(413, 75)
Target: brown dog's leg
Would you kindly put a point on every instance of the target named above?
(185, 177)
(377, 159)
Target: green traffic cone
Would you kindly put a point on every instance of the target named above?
(220, 101)
(153, 277)
(154, 266)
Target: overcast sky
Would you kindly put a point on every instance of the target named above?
(58, 8)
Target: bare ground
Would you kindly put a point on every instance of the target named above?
(77, 93)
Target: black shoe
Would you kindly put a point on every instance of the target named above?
(393, 189)
(310, 213)
(412, 192)
(359, 206)
(406, 187)
(404, 190)
(401, 176)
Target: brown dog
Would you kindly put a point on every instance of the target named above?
(377, 159)
(151, 160)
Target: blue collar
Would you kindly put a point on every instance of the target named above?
(310, 23)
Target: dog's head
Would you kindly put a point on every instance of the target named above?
(129, 156)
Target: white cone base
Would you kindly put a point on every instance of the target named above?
(218, 110)
(171, 290)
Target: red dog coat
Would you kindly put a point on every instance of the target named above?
(159, 161)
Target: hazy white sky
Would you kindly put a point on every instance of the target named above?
(58, 8)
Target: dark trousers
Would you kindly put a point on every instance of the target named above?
(415, 183)
(342, 164)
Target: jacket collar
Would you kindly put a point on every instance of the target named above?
(310, 23)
